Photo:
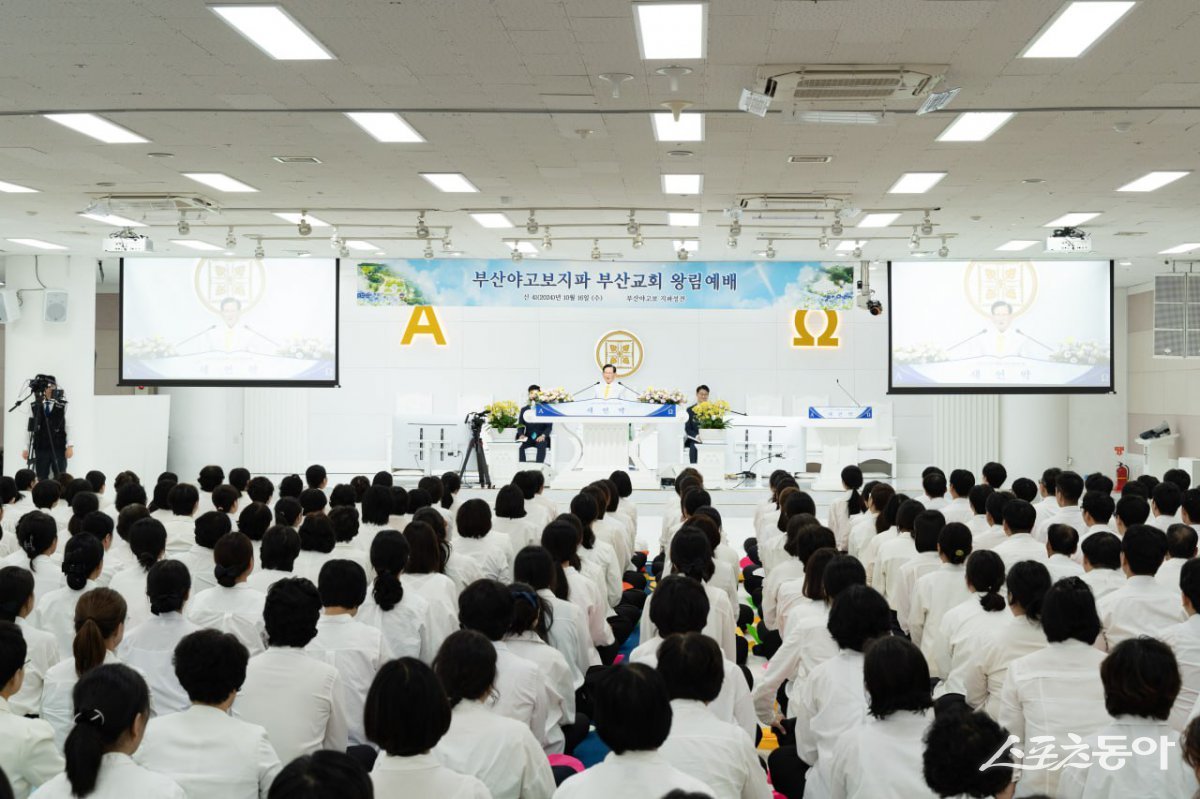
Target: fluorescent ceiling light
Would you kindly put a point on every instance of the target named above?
(385, 126)
(841, 117)
(112, 219)
(877, 220)
(849, 245)
(492, 220)
(916, 182)
(691, 245)
(1171, 251)
(690, 127)
(682, 184)
(671, 31)
(295, 219)
(272, 30)
(975, 125)
(1075, 218)
(522, 246)
(1153, 180)
(219, 181)
(361, 246)
(13, 188)
(98, 128)
(1016, 245)
(1076, 29)
(196, 244)
(41, 245)
(676, 219)
(450, 181)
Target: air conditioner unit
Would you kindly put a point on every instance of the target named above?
(807, 88)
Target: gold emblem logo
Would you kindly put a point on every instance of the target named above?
(989, 282)
(622, 349)
(243, 279)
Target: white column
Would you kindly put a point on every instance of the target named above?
(66, 349)
(965, 430)
(1033, 433)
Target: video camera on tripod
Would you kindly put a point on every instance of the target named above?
(476, 420)
(38, 385)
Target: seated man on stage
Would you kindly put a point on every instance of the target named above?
(533, 434)
(609, 388)
(691, 428)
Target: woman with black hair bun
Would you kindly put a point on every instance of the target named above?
(231, 606)
(408, 623)
(692, 556)
(83, 560)
(150, 647)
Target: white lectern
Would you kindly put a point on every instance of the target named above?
(1158, 453)
(838, 428)
(604, 440)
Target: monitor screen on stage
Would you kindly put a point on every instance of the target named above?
(229, 321)
(1000, 326)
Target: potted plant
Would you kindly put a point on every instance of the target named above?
(710, 416)
(502, 416)
(552, 396)
(661, 396)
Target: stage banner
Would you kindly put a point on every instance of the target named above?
(745, 285)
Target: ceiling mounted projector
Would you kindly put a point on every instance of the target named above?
(1069, 239)
(125, 240)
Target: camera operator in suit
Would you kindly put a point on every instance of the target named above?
(48, 423)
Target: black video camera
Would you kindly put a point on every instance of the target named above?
(40, 383)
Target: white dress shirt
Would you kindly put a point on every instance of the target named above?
(806, 644)
(58, 706)
(881, 759)
(731, 705)
(356, 650)
(957, 510)
(1018, 547)
(41, 653)
(1184, 640)
(905, 581)
(237, 610)
(831, 704)
(406, 628)
(500, 752)
(349, 550)
(491, 557)
(1060, 566)
(521, 532)
(131, 585)
(1168, 573)
(568, 633)
(978, 524)
(962, 628)
(462, 570)
(719, 627)
(934, 503)
(612, 532)
(297, 699)
(440, 594)
(1052, 692)
(1140, 607)
(556, 675)
(263, 579)
(889, 557)
(181, 534)
(46, 570)
(787, 571)
(1142, 775)
(1070, 515)
(628, 774)
(1045, 507)
(424, 776)
(1103, 581)
(55, 613)
(28, 755)
(862, 530)
(119, 778)
(522, 695)
(200, 565)
(987, 669)
(150, 648)
(611, 391)
(989, 538)
(933, 595)
(210, 754)
(713, 751)
(585, 595)
(869, 554)
(838, 520)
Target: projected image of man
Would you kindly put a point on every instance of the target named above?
(1000, 339)
(231, 334)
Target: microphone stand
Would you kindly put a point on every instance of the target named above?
(585, 388)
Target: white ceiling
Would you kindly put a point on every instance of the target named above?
(500, 88)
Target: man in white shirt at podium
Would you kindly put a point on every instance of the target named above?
(608, 388)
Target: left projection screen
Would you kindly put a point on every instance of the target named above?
(229, 322)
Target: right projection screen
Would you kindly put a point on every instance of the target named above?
(1000, 326)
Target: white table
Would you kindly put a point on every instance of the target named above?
(608, 436)
(838, 428)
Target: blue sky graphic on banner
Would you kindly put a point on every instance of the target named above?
(797, 285)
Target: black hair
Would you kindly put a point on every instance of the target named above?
(1167, 497)
(8, 490)
(74, 487)
(530, 613)
(182, 499)
(608, 366)
(710, 512)
(280, 548)
(291, 486)
(695, 499)
(389, 556)
(148, 540)
(1098, 481)
(962, 481)
(1020, 516)
(417, 498)
(1179, 477)
(1069, 611)
(585, 508)
(1132, 510)
(934, 485)
(1191, 504)
(1149, 481)
(210, 665)
(97, 523)
(225, 497)
(16, 587)
(167, 586)
(424, 552)
(12, 651)
(260, 489)
(254, 520)
(852, 479)
(510, 502)
(83, 555)
(1050, 479)
(129, 516)
(1099, 506)
(561, 539)
(887, 516)
(382, 478)
(1144, 547)
(291, 612)
(315, 475)
(978, 497)
(1141, 678)
(210, 526)
(451, 485)
(692, 666)
(624, 485)
(239, 478)
(691, 554)
(959, 745)
(927, 527)
(1024, 488)
(433, 486)
(1028, 581)
(814, 572)
(316, 534)
(1070, 486)
(233, 556)
(632, 708)
(342, 496)
(474, 519)
(841, 572)
(82, 504)
(465, 666)
(107, 702)
(535, 566)
(680, 605)
(24, 478)
(409, 684)
(526, 481)
(858, 615)
(1134, 488)
(954, 541)
(325, 774)
(45, 494)
(907, 513)
(1102, 550)
(210, 477)
(486, 606)
(36, 533)
(377, 505)
(342, 584)
(994, 473)
(896, 676)
(160, 495)
(288, 511)
(344, 522)
(1063, 539)
(130, 494)
(313, 500)
(985, 574)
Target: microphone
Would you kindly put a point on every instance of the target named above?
(968, 338)
(1023, 334)
(847, 393)
(631, 388)
(585, 388)
(268, 339)
(198, 335)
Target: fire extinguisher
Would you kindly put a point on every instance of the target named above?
(1122, 470)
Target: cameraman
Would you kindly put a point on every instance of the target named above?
(48, 422)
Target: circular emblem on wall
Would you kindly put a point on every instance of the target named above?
(1011, 283)
(243, 279)
(622, 349)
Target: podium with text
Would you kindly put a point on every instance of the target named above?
(838, 428)
(608, 435)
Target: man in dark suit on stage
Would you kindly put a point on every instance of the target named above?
(533, 434)
(691, 428)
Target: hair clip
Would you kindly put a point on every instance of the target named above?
(93, 716)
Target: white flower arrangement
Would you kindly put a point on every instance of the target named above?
(305, 348)
(552, 396)
(1080, 352)
(661, 396)
(924, 352)
(152, 347)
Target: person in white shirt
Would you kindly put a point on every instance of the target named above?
(700, 744)
(294, 696)
(83, 561)
(864, 529)
(111, 708)
(491, 552)
(1068, 490)
(1140, 680)
(933, 488)
(343, 519)
(1164, 505)
(691, 555)
(1189, 507)
(958, 509)
(16, 605)
(1097, 511)
(994, 475)
(277, 553)
(184, 502)
(209, 528)
(1184, 640)
(231, 606)
(28, 756)
(148, 543)
(1141, 606)
(1130, 510)
(895, 554)
(1062, 542)
(1181, 547)
(512, 519)
(423, 575)
(375, 513)
(994, 516)
(1102, 563)
(457, 566)
(1055, 692)
(204, 749)
(404, 618)
(47, 498)
(939, 590)
(567, 629)
(1020, 544)
(208, 480)
(881, 758)
(978, 497)
(253, 522)
(832, 701)
(598, 556)
(37, 534)
(500, 752)
(967, 623)
(1047, 487)
(842, 511)
(355, 649)
(633, 718)
(150, 646)
(324, 774)
(959, 745)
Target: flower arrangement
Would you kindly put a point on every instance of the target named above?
(305, 348)
(152, 347)
(502, 414)
(711, 415)
(661, 396)
(920, 353)
(552, 396)
(1081, 352)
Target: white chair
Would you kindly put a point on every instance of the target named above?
(878, 441)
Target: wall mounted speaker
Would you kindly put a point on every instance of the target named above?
(10, 308)
(56, 305)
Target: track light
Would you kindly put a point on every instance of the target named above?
(943, 251)
(547, 243)
(857, 252)
(259, 252)
(422, 228)
(531, 224)
(638, 241)
(682, 254)
(914, 241)
(770, 251)
(516, 255)
(428, 250)
(230, 240)
(926, 225)
(823, 242)
(183, 227)
(735, 229)
(303, 227)
(595, 249)
(446, 245)
(343, 251)
(633, 227)
(836, 228)
(731, 242)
